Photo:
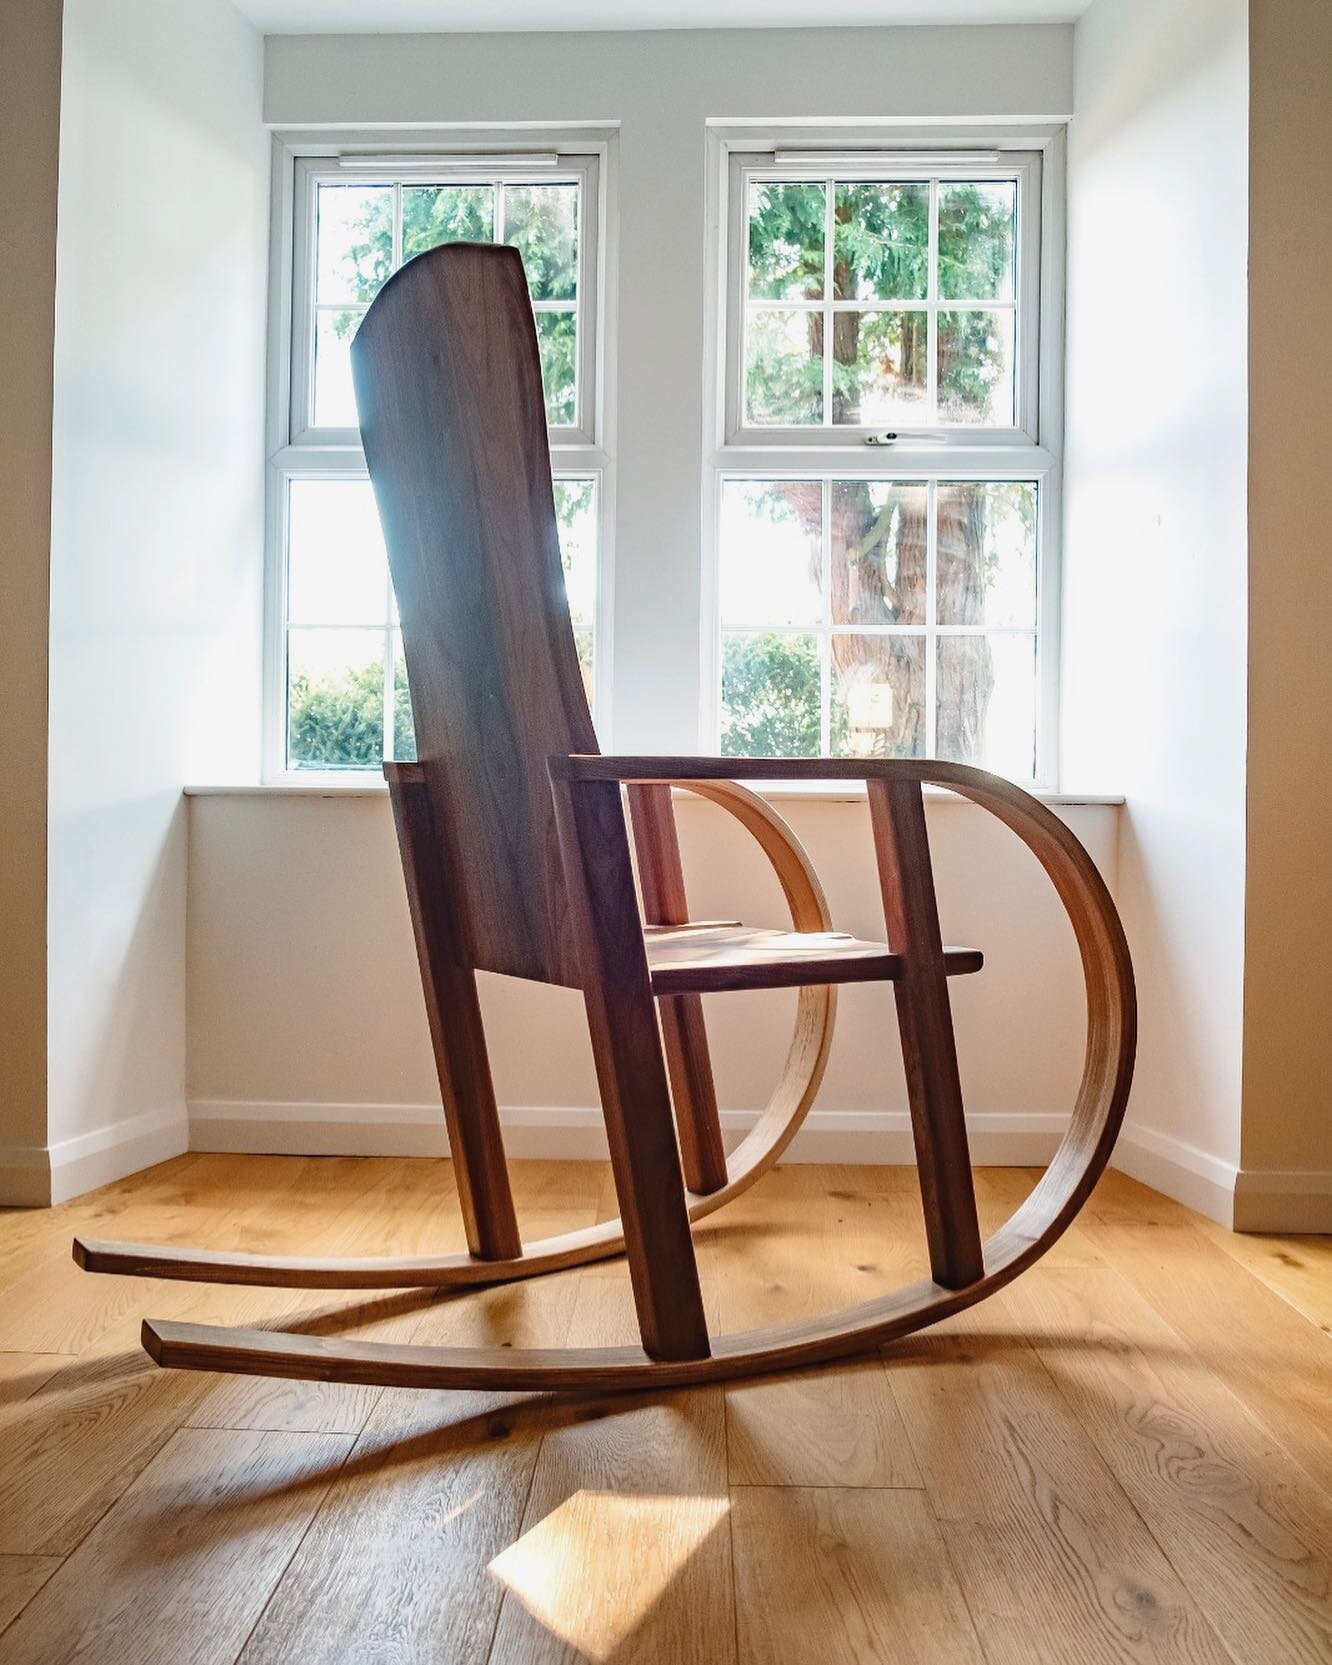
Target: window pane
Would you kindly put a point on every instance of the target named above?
(987, 702)
(335, 699)
(977, 241)
(354, 239)
(404, 729)
(880, 545)
(435, 214)
(784, 368)
(881, 242)
(878, 696)
(541, 221)
(976, 367)
(786, 239)
(576, 512)
(771, 535)
(987, 553)
(337, 572)
(557, 342)
(770, 695)
(583, 644)
(334, 395)
(880, 367)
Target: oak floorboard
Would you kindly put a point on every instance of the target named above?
(857, 1234)
(21, 1576)
(180, 1567)
(1299, 1269)
(1276, 1361)
(1244, 1526)
(1057, 1567)
(21, 1374)
(845, 1577)
(635, 1489)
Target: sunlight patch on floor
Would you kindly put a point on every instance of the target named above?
(592, 1570)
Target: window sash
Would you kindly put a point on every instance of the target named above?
(574, 168)
(746, 168)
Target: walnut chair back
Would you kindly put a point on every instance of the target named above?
(448, 385)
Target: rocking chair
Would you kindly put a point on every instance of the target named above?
(516, 855)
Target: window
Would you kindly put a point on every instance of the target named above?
(883, 499)
(338, 696)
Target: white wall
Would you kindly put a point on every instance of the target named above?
(662, 89)
(155, 541)
(1155, 546)
(30, 138)
(307, 1028)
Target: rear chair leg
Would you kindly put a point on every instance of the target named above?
(454, 1014)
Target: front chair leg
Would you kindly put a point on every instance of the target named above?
(631, 1071)
(924, 1017)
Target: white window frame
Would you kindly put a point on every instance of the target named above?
(297, 449)
(1029, 449)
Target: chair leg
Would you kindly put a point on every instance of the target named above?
(925, 1020)
(454, 1015)
(631, 1071)
(684, 1033)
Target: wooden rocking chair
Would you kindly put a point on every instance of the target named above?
(517, 860)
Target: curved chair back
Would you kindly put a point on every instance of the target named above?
(448, 385)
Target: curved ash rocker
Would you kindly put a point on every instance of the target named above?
(516, 856)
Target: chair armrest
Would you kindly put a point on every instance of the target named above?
(959, 776)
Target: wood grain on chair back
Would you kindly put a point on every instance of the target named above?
(448, 384)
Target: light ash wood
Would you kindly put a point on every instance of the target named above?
(1043, 1416)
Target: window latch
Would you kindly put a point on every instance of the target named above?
(882, 438)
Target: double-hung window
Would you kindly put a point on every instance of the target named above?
(884, 504)
(337, 686)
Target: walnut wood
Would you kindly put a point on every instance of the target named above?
(683, 1031)
(777, 1125)
(453, 1013)
(925, 1021)
(1037, 1223)
(448, 385)
(631, 1071)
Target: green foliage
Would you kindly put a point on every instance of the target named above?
(541, 221)
(770, 696)
(335, 720)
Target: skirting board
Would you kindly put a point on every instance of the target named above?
(1254, 1201)
(35, 1176)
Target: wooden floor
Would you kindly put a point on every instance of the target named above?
(1126, 1457)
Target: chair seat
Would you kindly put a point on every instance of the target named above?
(712, 956)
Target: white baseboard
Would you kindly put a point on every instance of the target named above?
(1256, 1201)
(33, 1176)
(1192, 1176)
(1283, 1200)
(577, 1132)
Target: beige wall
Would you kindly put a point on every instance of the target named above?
(307, 1029)
(30, 137)
(1287, 1137)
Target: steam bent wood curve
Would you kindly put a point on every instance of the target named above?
(1097, 1113)
(761, 1147)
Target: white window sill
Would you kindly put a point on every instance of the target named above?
(337, 786)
